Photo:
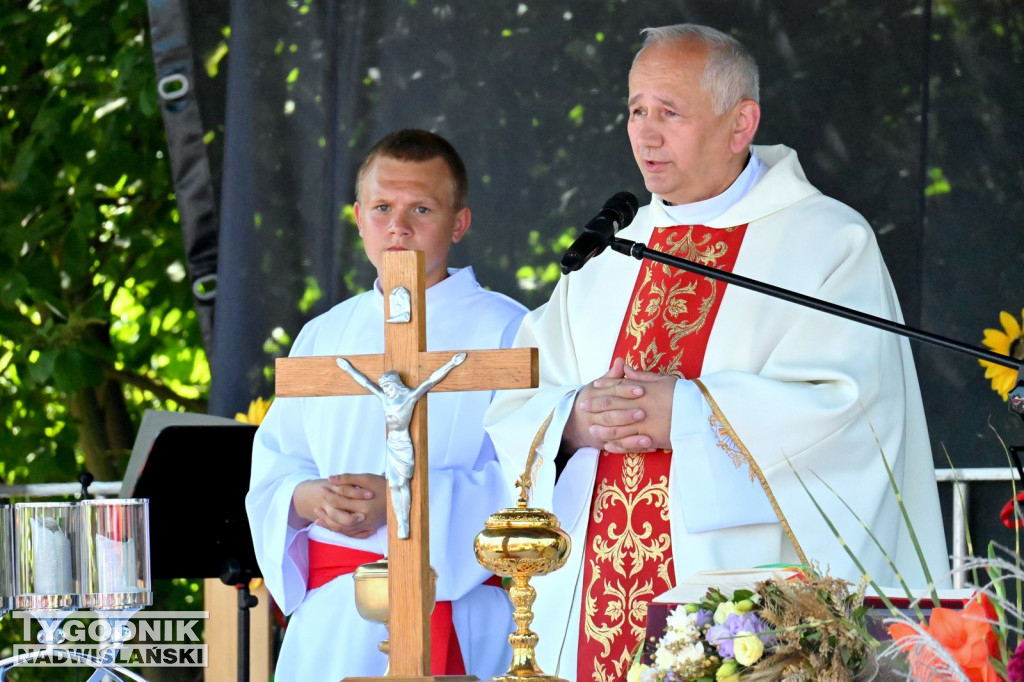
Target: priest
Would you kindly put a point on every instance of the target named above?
(316, 502)
(695, 425)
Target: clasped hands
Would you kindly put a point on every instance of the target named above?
(625, 410)
(351, 504)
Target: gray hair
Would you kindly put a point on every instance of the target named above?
(731, 72)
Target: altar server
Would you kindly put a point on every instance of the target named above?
(316, 502)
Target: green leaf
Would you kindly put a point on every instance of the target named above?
(41, 370)
(12, 287)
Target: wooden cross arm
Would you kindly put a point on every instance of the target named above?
(482, 370)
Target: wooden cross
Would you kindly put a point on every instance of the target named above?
(405, 351)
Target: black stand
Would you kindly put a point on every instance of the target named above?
(85, 479)
(234, 574)
(639, 251)
(194, 469)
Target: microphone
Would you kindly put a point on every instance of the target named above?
(616, 213)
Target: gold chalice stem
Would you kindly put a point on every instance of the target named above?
(523, 640)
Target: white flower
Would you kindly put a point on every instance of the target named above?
(682, 621)
(681, 647)
(724, 610)
(680, 630)
(673, 637)
(691, 653)
(664, 658)
(652, 675)
(747, 648)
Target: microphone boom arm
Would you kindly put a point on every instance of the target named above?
(639, 251)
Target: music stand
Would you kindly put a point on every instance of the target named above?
(194, 469)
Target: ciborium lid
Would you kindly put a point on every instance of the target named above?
(522, 539)
(521, 517)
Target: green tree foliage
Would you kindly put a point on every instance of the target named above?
(96, 319)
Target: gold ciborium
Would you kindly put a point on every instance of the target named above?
(520, 543)
(371, 582)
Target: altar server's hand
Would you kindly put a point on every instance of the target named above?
(608, 409)
(351, 504)
(363, 507)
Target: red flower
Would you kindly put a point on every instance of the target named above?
(967, 635)
(1008, 516)
(1015, 666)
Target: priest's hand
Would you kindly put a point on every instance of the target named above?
(656, 404)
(621, 411)
(351, 504)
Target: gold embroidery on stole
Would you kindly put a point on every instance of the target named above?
(668, 305)
(623, 605)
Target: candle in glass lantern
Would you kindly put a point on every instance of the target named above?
(51, 549)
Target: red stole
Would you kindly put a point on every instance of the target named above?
(628, 552)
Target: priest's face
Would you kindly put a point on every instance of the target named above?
(409, 205)
(685, 151)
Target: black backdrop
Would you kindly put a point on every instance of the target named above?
(906, 110)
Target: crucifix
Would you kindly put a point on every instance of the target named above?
(405, 353)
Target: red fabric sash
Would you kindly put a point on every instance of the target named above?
(628, 552)
(327, 562)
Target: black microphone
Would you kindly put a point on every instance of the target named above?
(617, 212)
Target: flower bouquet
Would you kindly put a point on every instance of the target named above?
(794, 626)
(811, 627)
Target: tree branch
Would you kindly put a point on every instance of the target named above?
(158, 389)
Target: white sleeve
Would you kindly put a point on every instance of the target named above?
(704, 473)
(280, 461)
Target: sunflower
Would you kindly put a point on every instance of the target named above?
(1008, 341)
(257, 411)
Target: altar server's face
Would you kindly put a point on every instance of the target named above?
(409, 205)
(685, 151)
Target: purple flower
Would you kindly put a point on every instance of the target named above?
(1015, 666)
(704, 618)
(720, 637)
(748, 622)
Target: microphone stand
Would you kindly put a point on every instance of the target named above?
(640, 252)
